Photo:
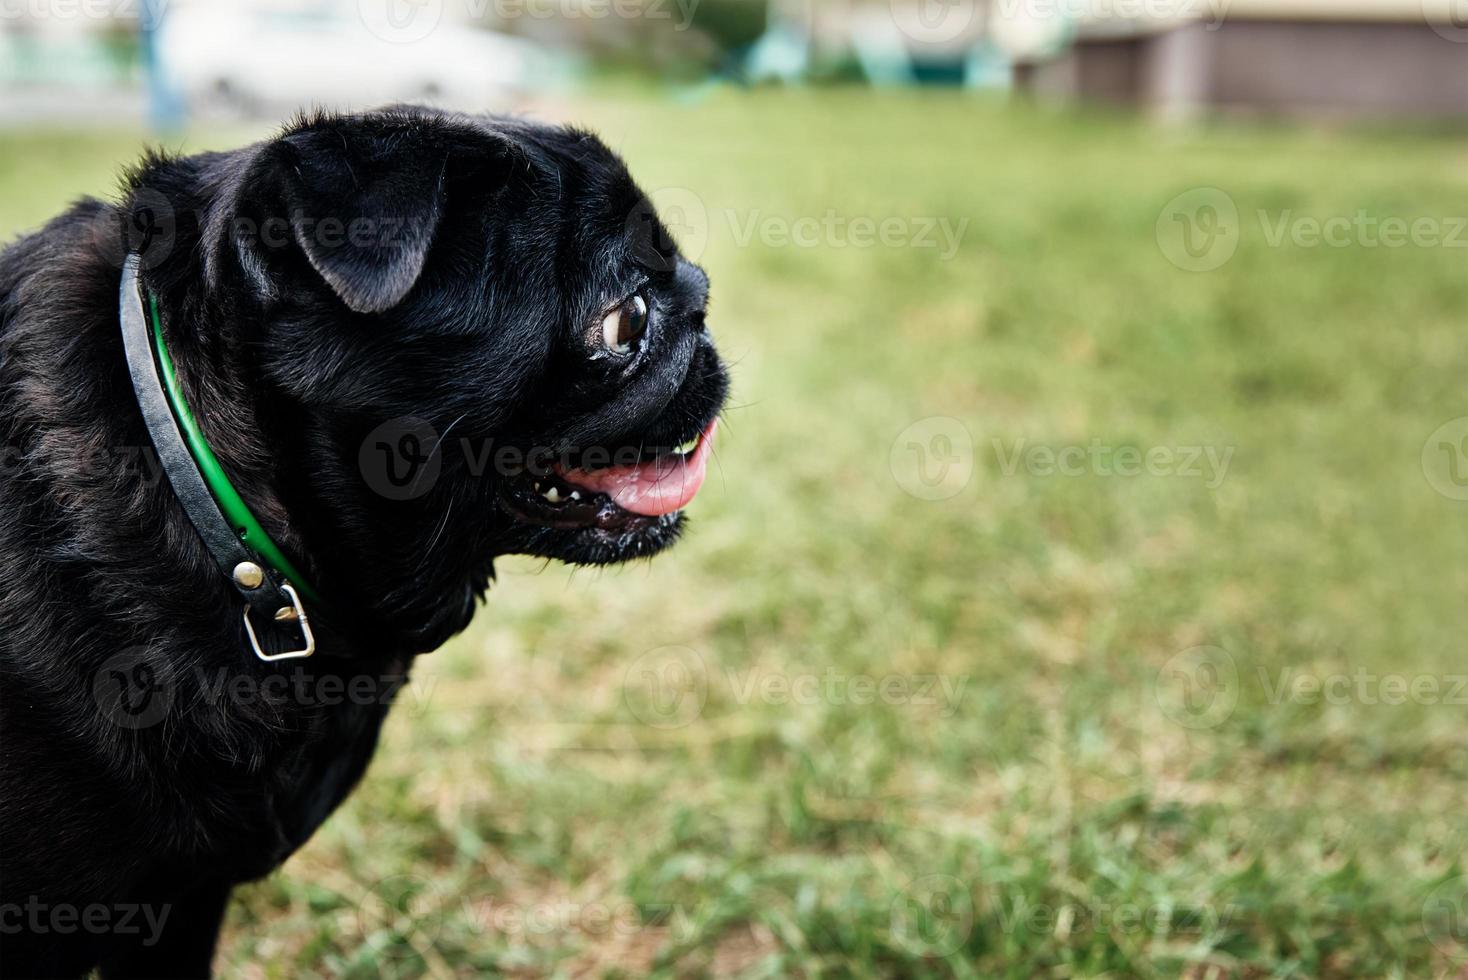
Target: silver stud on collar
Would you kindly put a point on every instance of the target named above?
(248, 575)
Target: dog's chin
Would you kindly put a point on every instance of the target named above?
(639, 537)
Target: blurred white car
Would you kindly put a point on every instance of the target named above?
(261, 58)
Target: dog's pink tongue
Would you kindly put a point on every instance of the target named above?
(653, 488)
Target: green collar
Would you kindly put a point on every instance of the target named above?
(240, 517)
(268, 583)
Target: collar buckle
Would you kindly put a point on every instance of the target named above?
(293, 613)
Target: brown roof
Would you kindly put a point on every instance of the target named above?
(1126, 17)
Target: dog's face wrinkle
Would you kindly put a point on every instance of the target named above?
(643, 397)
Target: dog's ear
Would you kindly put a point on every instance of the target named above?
(361, 198)
(363, 207)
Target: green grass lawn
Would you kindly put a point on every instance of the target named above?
(1207, 719)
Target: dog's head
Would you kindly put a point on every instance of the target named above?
(473, 338)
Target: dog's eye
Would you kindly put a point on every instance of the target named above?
(621, 327)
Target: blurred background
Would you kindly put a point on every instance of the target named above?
(1080, 588)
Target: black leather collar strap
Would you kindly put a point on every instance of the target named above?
(264, 590)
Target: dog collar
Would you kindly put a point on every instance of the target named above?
(260, 572)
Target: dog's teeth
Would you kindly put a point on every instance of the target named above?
(553, 495)
(575, 494)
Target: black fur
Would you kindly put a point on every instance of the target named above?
(147, 758)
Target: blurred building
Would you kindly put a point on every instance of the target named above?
(1319, 58)
(263, 58)
(884, 42)
(266, 57)
(54, 44)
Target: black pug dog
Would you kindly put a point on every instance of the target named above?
(413, 341)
